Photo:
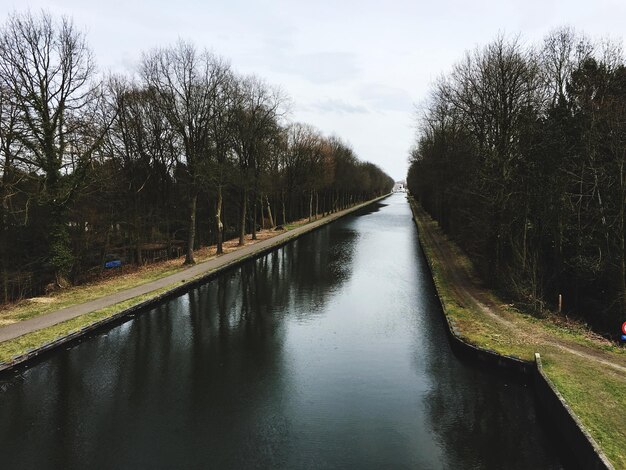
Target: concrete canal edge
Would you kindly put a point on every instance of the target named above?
(585, 452)
(27, 358)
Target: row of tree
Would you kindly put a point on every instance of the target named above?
(520, 156)
(185, 152)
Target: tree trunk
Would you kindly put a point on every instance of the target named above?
(107, 242)
(218, 221)
(5, 284)
(269, 212)
(254, 215)
(4, 240)
(621, 277)
(621, 268)
(284, 211)
(317, 204)
(60, 250)
(138, 252)
(311, 206)
(525, 239)
(242, 225)
(189, 259)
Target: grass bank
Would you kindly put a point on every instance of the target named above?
(11, 349)
(588, 370)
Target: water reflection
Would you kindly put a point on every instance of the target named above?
(327, 353)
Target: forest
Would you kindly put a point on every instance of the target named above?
(520, 156)
(184, 152)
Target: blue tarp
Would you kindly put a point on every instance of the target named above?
(113, 264)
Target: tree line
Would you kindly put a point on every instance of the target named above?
(183, 153)
(520, 156)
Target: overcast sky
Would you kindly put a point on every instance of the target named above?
(353, 68)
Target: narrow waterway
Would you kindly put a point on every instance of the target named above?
(327, 353)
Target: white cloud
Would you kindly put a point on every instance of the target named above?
(319, 67)
(386, 98)
(332, 105)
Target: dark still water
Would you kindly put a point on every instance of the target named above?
(328, 353)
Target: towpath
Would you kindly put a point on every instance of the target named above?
(221, 262)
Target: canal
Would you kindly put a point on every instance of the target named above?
(329, 352)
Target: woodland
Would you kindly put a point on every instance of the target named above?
(520, 156)
(185, 152)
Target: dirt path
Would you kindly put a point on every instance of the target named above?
(468, 293)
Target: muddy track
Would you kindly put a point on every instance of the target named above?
(468, 294)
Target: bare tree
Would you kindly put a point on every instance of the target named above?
(91, 168)
(48, 73)
(222, 126)
(9, 150)
(493, 91)
(254, 127)
(187, 86)
(563, 50)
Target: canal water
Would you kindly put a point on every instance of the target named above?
(327, 353)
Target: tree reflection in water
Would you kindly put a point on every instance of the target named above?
(329, 352)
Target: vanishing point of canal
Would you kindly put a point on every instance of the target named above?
(329, 352)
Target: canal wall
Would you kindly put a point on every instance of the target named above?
(26, 360)
(587, 453)
(583, 451)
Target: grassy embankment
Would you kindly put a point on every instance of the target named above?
(116, 282)
(576, 360)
